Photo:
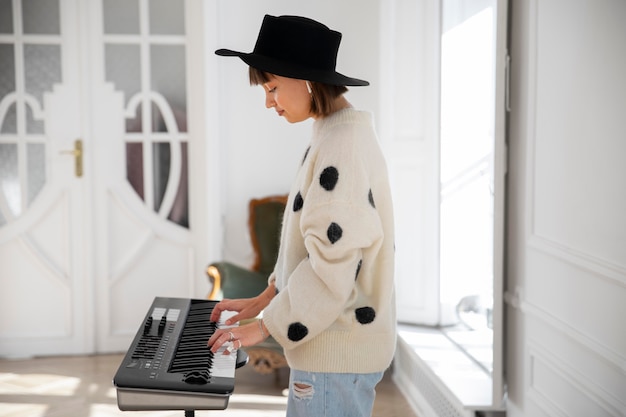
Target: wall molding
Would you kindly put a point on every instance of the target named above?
(544, 403)
(601, 351)
(538, 356)
(600, 268)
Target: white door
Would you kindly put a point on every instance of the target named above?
(82, 257)
(44, 298)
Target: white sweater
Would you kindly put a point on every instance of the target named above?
(335, 307)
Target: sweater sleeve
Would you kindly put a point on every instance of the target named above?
(337, 220)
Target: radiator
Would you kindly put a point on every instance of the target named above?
(438, 379)
(422, 388)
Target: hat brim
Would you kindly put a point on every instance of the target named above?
(288, 69)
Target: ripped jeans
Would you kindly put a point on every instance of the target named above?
(313, 394)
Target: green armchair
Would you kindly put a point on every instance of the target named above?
(233, 281)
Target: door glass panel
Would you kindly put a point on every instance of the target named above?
(7, 69)
(134, 166)
(33, 125)
(36, 166)
(168, 78)
(167, 17)
(41, 17)
(9, 124)
(161, 167)
(23, 151)
(121, 16)
(10, 182)
(8, 121)
(6, 16)
(134, 124)
(123, 68)
(42, 67)
(158, 122)
(180, 213)
(151, 72)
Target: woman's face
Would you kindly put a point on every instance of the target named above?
(289, 97)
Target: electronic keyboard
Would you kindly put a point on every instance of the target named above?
(169, 366)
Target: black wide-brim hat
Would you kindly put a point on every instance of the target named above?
(296, 47)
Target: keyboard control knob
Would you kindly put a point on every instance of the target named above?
(147, 325)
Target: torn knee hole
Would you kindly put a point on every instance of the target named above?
(302, 390)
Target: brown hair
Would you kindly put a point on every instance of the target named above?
(322, 94)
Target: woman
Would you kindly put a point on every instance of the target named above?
(330, 301)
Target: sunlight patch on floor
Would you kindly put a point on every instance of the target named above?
(34, 410)
(16, 384)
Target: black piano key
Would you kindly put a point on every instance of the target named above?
(192, 353)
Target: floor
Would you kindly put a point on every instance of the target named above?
(82, 387)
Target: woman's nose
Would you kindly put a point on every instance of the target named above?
(269, 100)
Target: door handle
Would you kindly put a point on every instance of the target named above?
(78, 157)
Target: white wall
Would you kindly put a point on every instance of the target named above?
(259, 152)
(566, 343)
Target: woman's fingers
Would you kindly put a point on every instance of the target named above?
(219, 338)
(241, 306)
(217, 310)
(235, 338)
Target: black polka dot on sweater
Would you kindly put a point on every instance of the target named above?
(358, 269)
(298, 202)
(297, 331)
(370, 197)
(329, 178)
(334, 232)
(365, 315)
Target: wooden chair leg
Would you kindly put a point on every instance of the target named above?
(216, 280)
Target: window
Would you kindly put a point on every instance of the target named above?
(448, 173)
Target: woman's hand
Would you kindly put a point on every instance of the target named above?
(246, 308)
(246, 335)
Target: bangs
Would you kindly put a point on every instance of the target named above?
(258, 77)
